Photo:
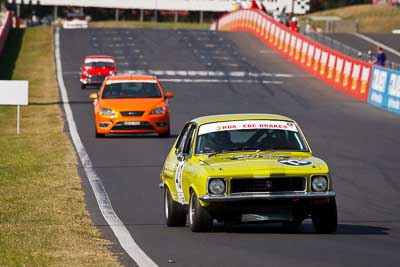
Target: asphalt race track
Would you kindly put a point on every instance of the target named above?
(212, 73)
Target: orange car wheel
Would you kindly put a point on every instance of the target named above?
(99, 135)
(166, 134)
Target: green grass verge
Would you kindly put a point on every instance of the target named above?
(148, 24)
(373, 18)
(43, 220)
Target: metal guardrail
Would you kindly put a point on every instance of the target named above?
(347, 50)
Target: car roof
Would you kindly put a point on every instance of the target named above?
(236, 117)
(138, 77)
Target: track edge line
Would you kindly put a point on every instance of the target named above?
(120, 231)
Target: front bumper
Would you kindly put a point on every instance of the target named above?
(279, 207)
(270, 196)
(94, 80)
(147, 124)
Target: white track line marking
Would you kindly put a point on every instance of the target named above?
(217, 81)
(387, 48)
(116, 225)
(204, 73)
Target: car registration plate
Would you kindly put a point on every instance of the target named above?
(132, 123)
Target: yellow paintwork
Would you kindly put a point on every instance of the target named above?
(198, 168)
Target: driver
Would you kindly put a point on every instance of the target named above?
(218, 141)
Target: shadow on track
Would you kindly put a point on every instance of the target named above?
(306, 228)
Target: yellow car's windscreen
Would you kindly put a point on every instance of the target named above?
(248, 136)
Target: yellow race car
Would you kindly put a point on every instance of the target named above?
(244, 168)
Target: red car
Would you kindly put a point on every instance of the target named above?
(95, 69)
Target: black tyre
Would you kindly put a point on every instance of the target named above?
(99, 135)
(83, 86)
(199, 217)
(166, 134)
(324, 217)
(175, 213)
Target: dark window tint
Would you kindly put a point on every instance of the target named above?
(252, 139)
(99, 64)
(131, 90)
(182, 138)
(189, 141)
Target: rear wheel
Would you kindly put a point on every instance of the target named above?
(175, 213)
(199, 217)
(324, 217)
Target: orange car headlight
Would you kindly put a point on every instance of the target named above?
(160, 110)
(107, 112)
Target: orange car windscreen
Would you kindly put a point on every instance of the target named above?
(131, 90)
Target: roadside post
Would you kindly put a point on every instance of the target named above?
(14, 93)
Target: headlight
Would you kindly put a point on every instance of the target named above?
(111, 73)
(158, 111)
(107, 112)
(216, 186)
(319, 183)
(86, 73)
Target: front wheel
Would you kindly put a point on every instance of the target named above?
(199, 217)
(166, 134)
(83, 86)
(324, 217)
(99, 135)
(175, 213)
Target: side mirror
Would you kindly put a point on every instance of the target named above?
(93, 96)
(180, 156)
(169, 95)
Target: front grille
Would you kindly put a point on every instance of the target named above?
(143, 126)
(132, 113)
(267, 185)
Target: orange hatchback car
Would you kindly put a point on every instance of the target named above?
(131, 104)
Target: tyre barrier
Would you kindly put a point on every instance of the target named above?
(349, 75)
(4, 28)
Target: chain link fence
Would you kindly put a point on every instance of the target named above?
(347, 50)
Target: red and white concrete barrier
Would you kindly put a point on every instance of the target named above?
(349, 75)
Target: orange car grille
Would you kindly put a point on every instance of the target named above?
(275, 184)
(121, 126)
(132, 113)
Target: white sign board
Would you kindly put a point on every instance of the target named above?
(14, 93)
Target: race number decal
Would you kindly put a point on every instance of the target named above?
(178, 182)
(294, 162)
